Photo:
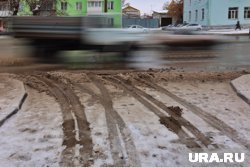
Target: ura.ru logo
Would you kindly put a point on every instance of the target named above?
(214, 157)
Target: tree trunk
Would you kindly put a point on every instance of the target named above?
(105, 6)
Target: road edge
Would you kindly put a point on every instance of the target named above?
(241, 87)
(17, 106)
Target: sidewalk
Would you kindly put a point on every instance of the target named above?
(242, 87)
(12, 95)
(227, 32)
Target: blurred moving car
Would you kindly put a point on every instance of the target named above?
(192, 27)
(137, 28)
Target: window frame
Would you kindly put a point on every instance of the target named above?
(246, 12)
(233, 13)
(196, 15)
(94, 4)
(110, 5)
(202, 14)
(189, 16)
(64, 6)
(78, 6)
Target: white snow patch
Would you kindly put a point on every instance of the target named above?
(33, 137)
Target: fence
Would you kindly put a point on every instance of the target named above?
(148, 23)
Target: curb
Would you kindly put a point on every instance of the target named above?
(243, 97)
(239, 92)
(16, 109)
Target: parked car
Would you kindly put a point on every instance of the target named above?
(168, 27)
(191, 27)
(137, 28)
(172, 27)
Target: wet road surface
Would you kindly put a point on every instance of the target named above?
(231, 55)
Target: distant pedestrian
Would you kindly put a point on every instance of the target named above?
(237, 26)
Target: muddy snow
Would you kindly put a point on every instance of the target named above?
(114, 118)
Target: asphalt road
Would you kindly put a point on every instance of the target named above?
(123, 117)
(231, 55)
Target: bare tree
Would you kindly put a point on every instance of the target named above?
(41, 7)
(165, 5)
(175, 9)
(105, 6)
(37, 7)
(123, 2)
(14, 6)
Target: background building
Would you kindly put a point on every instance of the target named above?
(217, 12)
(132, 16)
(130, 12)
(108, 8)
(4, 13)
(113, 9)
(164, 18)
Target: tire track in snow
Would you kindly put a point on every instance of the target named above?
(76, 130)
(168, 121)
(117, 127)
(207, 117)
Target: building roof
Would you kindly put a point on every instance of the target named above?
(161, 11)
(129, 8)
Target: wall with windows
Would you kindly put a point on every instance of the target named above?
(228, 12)
(72, 7)
(92, 7)
(95, 6)
(217, 12)
(196, 11)
(115, 9)
(81, 8)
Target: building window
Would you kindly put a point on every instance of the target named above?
(233, 13)
(196, 15)
(99, 3)
(90, 4)
(111, 5)
(189, 16)
(247, 12)
(64, 6)
(202, 14)
(94, 4)
(78, 5)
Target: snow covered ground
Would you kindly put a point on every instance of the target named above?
(11, 92)
(130, 119)
(33, 136)
(227, 32)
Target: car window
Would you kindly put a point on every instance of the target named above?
(133, 26)
(193, 24)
